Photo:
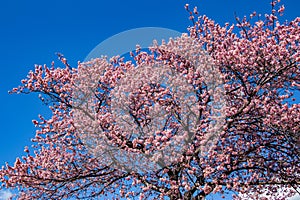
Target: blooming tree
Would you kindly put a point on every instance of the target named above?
(211, 111)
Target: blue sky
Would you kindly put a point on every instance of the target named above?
(32, 31)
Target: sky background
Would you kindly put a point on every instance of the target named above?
(32, 31)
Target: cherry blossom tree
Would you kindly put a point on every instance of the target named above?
(210, 112)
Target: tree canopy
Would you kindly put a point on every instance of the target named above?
(211, 111)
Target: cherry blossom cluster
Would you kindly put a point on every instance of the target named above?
(212, 111)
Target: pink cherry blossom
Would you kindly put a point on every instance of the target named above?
(238, 132)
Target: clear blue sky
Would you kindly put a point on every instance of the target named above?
(32, 31)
